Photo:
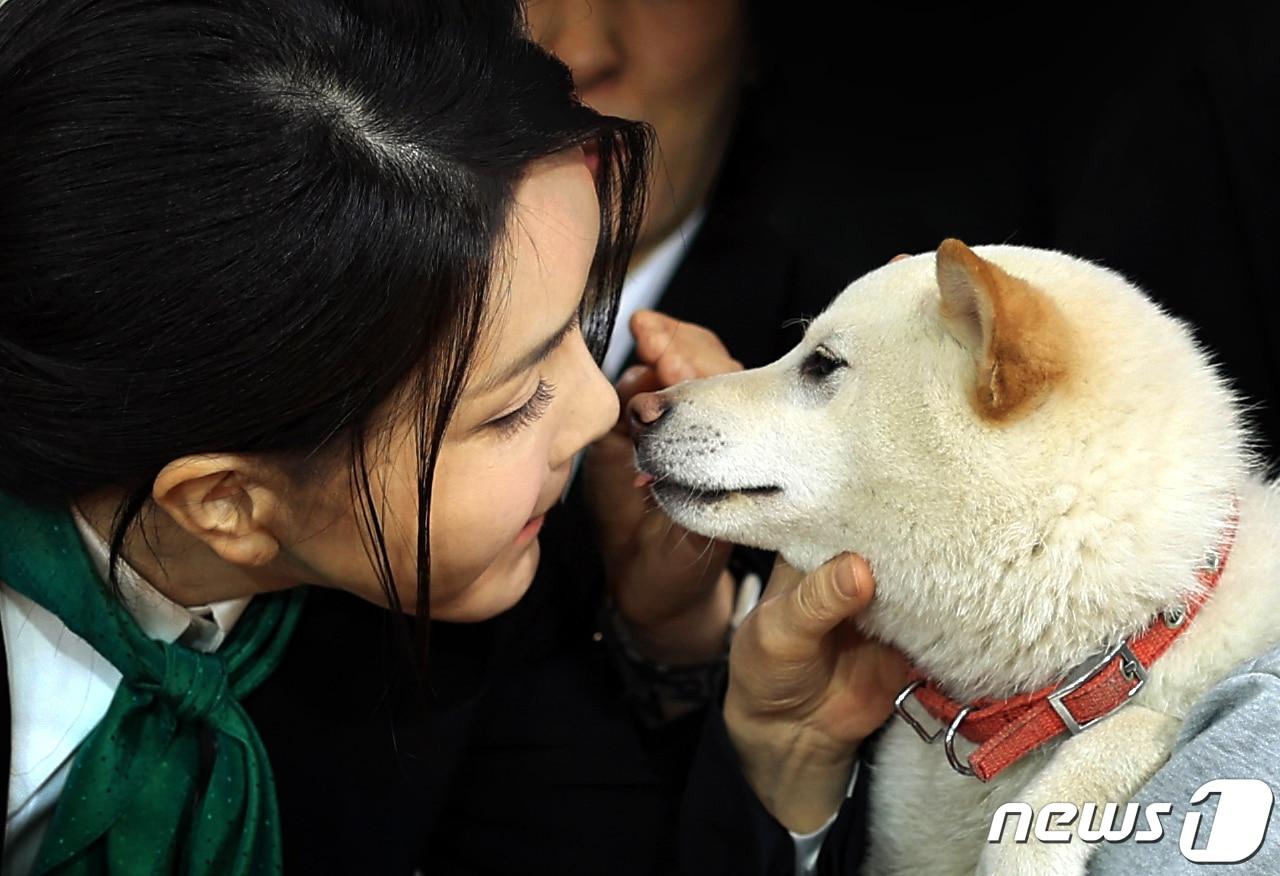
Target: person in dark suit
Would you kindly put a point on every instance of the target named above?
(313, 292)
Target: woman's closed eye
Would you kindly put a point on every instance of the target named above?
(529, 412)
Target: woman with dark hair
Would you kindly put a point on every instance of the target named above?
(314, 292)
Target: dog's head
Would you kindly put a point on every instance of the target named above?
(1005, 419)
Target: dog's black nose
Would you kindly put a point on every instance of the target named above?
(645, 409)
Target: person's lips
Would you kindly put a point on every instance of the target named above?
(531, 529)
(534, 525)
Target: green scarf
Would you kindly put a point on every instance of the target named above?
(133, 802)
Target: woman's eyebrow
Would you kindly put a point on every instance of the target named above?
(532, 357)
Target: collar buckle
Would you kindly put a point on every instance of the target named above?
(1130, 667)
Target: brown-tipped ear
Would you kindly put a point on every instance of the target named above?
(1018, 338)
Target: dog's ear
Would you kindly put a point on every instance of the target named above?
(1017, 336)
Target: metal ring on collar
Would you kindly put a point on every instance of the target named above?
(900, 706)
(949, 743)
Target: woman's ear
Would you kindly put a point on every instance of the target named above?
(228, 501)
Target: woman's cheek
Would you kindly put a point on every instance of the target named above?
(479, 511)
(520, 491)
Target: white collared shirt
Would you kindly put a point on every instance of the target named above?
(60, 687)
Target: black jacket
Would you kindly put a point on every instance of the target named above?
(525, 760)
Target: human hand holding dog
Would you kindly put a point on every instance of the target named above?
(806, 687)
(669, 584)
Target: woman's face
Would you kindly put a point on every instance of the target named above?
(534, 398)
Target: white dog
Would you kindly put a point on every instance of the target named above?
(1039, 465)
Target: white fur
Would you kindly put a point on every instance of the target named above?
(1004, 554)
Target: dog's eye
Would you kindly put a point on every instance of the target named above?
(821, 363)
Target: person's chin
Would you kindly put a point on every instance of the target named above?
(498, 588)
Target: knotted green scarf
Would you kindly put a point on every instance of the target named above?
(134, 802)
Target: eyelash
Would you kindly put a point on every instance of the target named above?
(529, 412)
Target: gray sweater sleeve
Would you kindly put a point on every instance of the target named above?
(1233, 732)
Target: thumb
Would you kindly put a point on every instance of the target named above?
(828, 596)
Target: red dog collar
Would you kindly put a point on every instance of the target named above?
(1006, 730)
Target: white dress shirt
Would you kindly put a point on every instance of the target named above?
(60, 687)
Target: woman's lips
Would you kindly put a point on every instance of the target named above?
(531, 529)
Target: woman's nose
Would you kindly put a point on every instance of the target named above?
(645, 409)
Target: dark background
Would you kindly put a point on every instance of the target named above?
(1139, 135)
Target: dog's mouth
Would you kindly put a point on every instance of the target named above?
(671, 491)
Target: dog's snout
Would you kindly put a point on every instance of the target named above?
(646, 408)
